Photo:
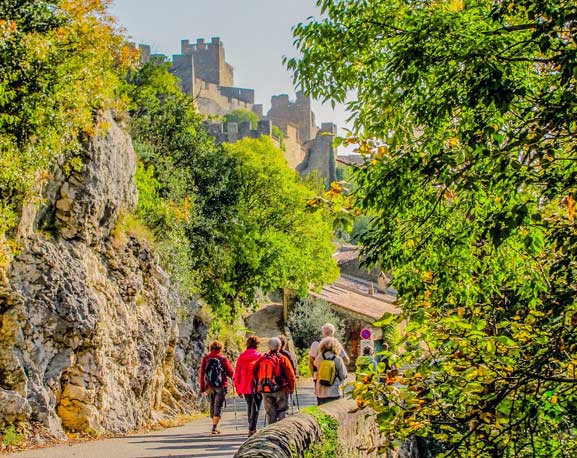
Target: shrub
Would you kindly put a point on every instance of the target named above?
(306, 319)
(11, 437)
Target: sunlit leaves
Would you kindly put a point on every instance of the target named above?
(60, 62)
(475, 103)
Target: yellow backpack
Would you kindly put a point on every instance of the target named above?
(327, 372)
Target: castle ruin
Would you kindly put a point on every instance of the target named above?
(205, 75)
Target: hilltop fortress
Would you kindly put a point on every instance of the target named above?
(204, 74)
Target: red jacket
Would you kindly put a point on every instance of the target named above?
(286, 372)
(243, 371)
(225, 363)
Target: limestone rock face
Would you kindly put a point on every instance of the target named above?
(89, 335)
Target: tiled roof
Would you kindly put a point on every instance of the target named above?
(344, 257)
(352, 295)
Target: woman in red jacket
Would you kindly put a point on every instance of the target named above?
(214, 370)
(243, 382)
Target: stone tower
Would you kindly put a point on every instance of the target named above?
(299, 112)
(209, 61)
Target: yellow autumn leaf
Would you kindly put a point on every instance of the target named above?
(381, 151)
(569, 203)
(453, 141)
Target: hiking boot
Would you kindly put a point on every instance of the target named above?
(215, 431)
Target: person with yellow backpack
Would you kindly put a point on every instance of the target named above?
(331, 371)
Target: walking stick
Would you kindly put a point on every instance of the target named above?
(292, 405)
(297, 397)
(235, 415)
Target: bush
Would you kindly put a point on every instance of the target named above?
(11, 437)
(303, 362)
(306, 319)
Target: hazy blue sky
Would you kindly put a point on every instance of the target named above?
(256, 34)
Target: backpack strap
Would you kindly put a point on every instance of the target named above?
(329, 359)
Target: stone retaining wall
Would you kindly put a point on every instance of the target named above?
(358, 434)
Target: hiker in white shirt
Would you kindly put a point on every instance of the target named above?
(328, 330)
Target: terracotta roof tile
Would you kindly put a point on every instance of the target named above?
(352, 297)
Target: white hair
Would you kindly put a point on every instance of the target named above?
(274, 344)
(328, 330)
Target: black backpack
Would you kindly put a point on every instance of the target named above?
(214, 375)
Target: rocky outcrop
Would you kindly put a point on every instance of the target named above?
(90, 339)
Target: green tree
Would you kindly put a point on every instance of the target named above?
(182, 176)
(306, 319)
(468, 112)
(234, 217)
(239, 115)
(272, 241)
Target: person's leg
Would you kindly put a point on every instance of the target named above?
(248, 398)
(282, 404)
(250, 412)
(269, 407)
(219, 395)
(257, 403)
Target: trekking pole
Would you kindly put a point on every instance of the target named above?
(235, 416)
(292, 404)
(297, 397)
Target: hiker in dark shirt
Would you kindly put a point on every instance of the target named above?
(288, 354)
(214, 370)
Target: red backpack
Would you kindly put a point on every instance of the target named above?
(269, 374)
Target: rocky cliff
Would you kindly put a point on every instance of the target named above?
(90, 339)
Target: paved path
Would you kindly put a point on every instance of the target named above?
(190, 440)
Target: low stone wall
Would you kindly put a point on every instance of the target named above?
(358, 434)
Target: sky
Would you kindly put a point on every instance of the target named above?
(256, 34)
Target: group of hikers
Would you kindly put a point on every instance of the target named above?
(270, 378)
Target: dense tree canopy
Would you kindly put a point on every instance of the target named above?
(273, 241)
(468, 111)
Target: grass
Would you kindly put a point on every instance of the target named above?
(328, 446)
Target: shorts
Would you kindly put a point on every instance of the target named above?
(216, 398)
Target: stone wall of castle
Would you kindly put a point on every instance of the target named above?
(204, 74)
(320, 154)
(231, 132)
(213, 100)
(295, 153)
(209, 61)
(299, 112)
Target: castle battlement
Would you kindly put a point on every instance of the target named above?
(205, 75)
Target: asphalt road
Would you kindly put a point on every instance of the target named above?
(187, 441)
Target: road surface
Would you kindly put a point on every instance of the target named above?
(187, 441)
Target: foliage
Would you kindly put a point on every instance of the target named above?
(278, 133)
(328, 447)
(240, 115)
(360, 226)
(11, 437)
(172, 147)
(303, 368)
(307, 317)
(60, 62)
(271, 241)
(468, 113)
